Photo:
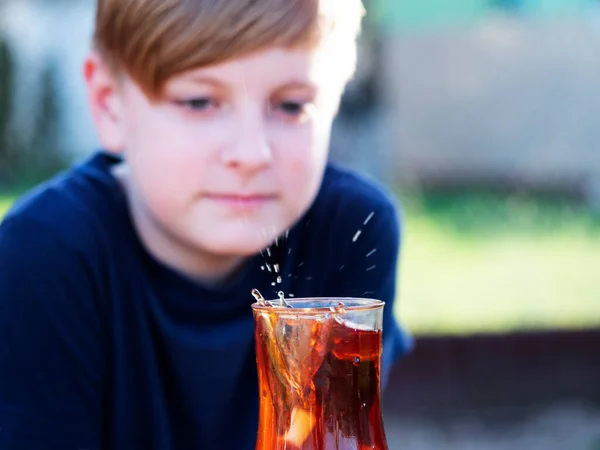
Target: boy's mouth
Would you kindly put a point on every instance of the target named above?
(241, 201)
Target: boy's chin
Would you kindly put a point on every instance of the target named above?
(240, 246)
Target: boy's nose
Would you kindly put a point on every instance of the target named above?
(248, 149)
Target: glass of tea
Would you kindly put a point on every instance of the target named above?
(318, 363)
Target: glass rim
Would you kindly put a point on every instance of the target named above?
(324, 305)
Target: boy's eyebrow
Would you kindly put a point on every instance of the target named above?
(292, 84)
(200, 78)
(297, 84)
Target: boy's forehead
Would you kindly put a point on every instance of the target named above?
(296, 67)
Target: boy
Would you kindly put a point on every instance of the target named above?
(125, 319)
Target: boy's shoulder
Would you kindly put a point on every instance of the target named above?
(351, 210)
(344, 190)
(71, 206)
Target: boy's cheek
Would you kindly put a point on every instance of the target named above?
(308, 162)
(298, 169)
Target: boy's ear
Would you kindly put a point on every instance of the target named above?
(105, 99)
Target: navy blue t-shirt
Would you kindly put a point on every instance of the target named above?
(104, 347)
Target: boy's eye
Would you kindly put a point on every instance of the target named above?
(196, 104)
(292, 108)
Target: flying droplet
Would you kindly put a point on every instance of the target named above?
(262, 267)
(269, 251)
(369, 217)
(371, 252)
(356, 235)
(268, 267)
(258, 296)
(276, 267)
(279, 280)
(356, 361)
(282, 301)
(370, 268)
(338, 312)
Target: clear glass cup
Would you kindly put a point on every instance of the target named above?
(318, 363)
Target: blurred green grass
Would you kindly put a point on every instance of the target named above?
(5, 202)
(480, 263)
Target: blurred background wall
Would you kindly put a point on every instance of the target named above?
(481, 117)
(509, 97)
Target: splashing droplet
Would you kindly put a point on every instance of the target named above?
(282, 301)
(356, 235)
(258, 296)
(338, 312)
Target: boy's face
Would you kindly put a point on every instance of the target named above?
(229, 157)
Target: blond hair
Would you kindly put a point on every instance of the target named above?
(153, 40)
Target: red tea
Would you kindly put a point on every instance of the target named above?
(319, 385)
